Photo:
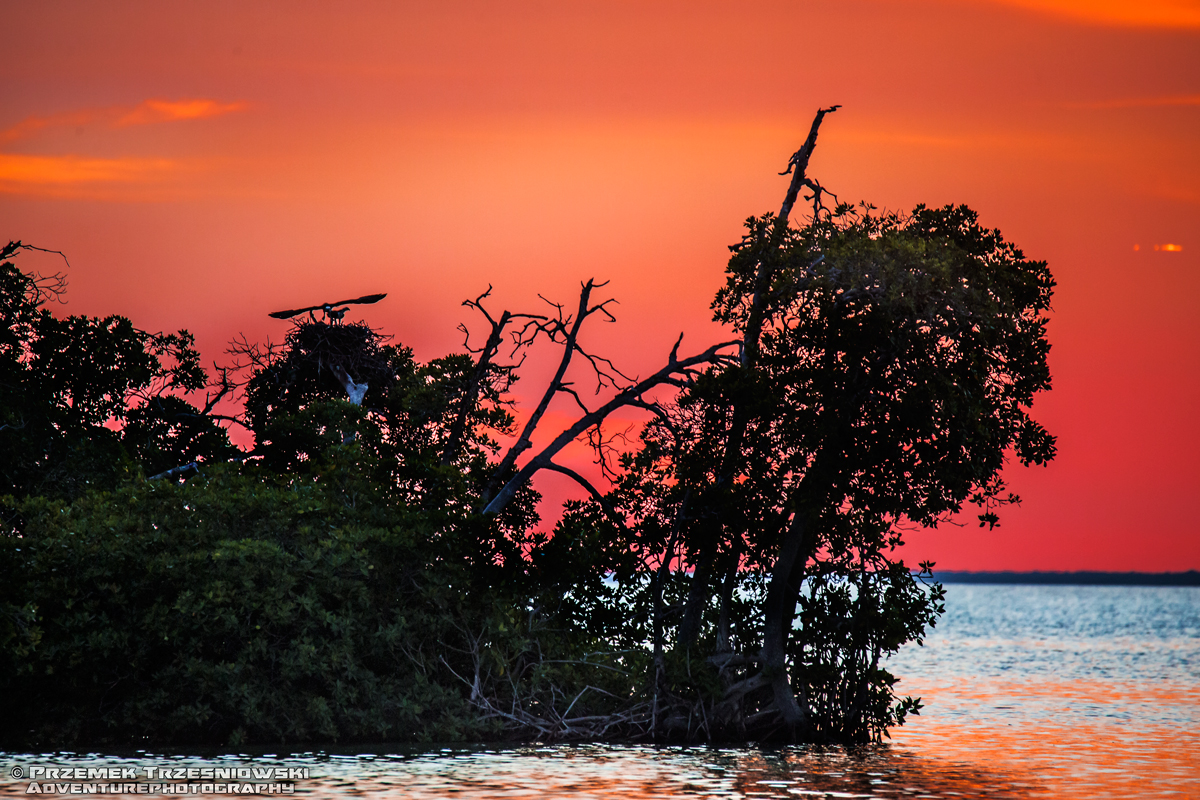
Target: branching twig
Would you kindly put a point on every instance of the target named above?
(607, 507)
(625, 397)
(568, 329)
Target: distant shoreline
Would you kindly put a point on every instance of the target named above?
(1189, 578)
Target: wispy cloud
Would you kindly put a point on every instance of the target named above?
(172, 110)
(29, 126)
(145, 113)
(71, 175)
(1125, 13)
(20, 173)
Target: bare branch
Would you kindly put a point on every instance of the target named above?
(624, 398)
(604, 449)
(224, 384)
(605, 505)
(566, 388)
(217, 417)
(602, 366)
(40, 287)
(798, 166)
(570, 330)
(817, 191)
(13, 247)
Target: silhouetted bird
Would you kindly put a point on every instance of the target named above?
(330, 310)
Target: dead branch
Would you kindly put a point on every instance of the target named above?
(218, 417)
(224, 385)
(675, 367)
(798, 166)
(486, 368)
(568, 329)
(40, 287)
(606, 452)
(252, 356)
(730, 459)
(606, 506)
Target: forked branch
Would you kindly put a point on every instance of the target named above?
(561, 329)
(798, 167)
(632, 395)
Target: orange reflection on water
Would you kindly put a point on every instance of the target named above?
(644, 773)
(976, 739)
(1081, 739)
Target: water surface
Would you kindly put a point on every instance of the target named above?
(1094, 691)
(1030, 692)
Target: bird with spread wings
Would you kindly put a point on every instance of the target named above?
(330, 310)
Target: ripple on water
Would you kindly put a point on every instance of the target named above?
(645, 773)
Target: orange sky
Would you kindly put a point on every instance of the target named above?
(202, 165)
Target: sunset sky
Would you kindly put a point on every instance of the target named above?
(204, 164)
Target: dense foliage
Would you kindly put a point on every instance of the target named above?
(81, 398)
(893, 363)
(373, 569)
(236, 607)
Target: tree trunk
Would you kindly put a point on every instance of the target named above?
(723, 635)
(697, 598)
(780, 611)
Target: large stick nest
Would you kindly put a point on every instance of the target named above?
(314, 348)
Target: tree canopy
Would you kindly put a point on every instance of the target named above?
(83, 396)
(374, 566)
(897, 360)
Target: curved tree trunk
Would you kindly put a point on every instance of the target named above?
(731, 460)
(779, 613)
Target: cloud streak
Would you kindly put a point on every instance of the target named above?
(1122, 13)
(20, 173)
(152, 111)
(78, 175)
(147, 112)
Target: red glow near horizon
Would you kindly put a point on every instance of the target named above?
(201, 167)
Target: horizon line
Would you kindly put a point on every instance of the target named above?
(1071, 577)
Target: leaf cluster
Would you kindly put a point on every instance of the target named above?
(239, 606)
(83, 399)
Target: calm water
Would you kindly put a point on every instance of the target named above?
(1031, 692)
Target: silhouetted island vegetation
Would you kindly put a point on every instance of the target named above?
(373, 567)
